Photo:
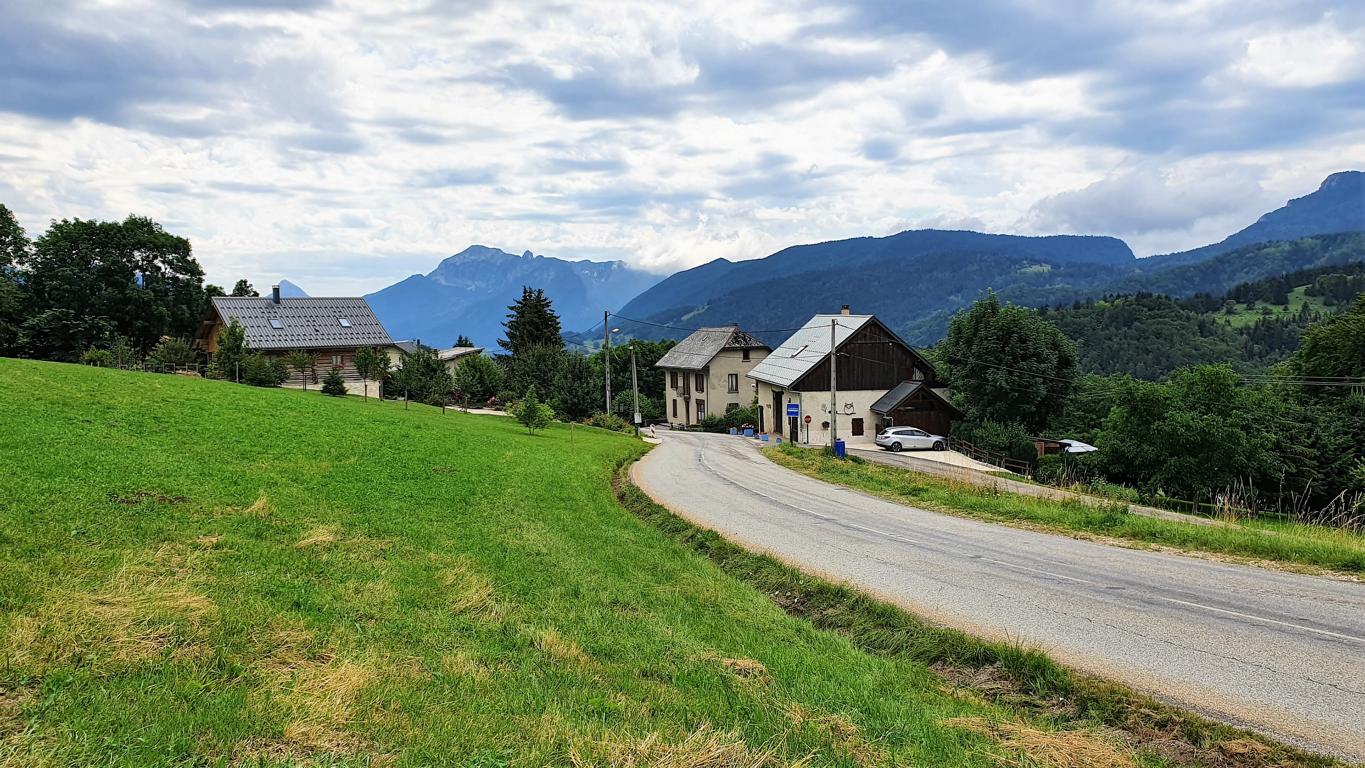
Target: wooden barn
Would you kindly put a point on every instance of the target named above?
(881, 381)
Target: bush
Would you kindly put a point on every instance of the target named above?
(478, 378)
(333, 384)
(532, 413)
(608, 421)
(101, 358)
(171, 353)
(261, 371)
(735, 417)
(1009, 438)
(422, 377)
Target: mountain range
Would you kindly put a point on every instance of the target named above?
(468, 293)
(913, 280)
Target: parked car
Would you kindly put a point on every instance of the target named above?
(900, 438)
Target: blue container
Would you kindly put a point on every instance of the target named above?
(764, 438)
(840, 450)
(748, 431)
(734, 431)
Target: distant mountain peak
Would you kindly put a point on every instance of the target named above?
(291, 290)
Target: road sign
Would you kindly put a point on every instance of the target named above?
(807, 418)
(793, 410)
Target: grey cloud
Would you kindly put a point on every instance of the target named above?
(454, 177)
(881, 149)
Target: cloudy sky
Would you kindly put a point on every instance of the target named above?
(347, 144)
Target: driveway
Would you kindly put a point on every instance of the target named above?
(1278, 652)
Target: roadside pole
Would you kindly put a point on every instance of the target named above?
(606, 355)
(635, 389)
(833, 386)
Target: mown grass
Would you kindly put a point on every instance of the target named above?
(1316, 547)
(200, 573)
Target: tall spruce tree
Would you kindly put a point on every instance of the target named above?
(14, 253)
(531, 322)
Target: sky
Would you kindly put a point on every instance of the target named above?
(345, 144)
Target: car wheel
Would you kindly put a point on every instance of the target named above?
(938, 445)
(895, 447)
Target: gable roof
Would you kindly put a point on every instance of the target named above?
(805, 349)
(695, 351)
(902, 391)
(455, 353)
(305, 323)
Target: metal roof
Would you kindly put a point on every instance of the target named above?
(455, 353)
(888, 402)
(805, 349)
(892, 399)
(695, 351)
(304, 323)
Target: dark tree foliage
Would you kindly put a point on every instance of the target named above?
(533, 366)
(1335, 348)
(333, 384)
(647, 353)
(1006, 364)
(531, 322)
(578, 388)
(230, 351)
(1199, 435)
(478, 378)
(89, 279)
(463, 341)
(14, 254)
(243, 288)
(421, 376)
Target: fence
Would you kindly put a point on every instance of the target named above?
(990, 457)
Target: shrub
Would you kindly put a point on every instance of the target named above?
(478, 378)
(333, 384)
(608, 421)
(261, 371)
(101, 358)
(171, 353)
(735, 417)
(422, 376)
(1008, 437)
(532, 413)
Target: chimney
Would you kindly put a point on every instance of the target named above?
(275, 295)
(844, 311)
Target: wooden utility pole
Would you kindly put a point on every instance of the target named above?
(833, 385)
(606, 353)
(635, 388)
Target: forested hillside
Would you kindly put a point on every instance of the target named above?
(1252, 326)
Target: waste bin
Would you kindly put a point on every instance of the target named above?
(840, 450)
(748, 431)
(734, 431)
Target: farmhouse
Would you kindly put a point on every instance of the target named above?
(328, 330)
(881, 381)
(705, 373)
(452, 357)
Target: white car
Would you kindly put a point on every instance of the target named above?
(900, 438)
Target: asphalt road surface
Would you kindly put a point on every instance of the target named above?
(1282, 653)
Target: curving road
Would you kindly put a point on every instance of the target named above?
(1278, 652)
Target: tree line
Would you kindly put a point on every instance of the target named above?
(1290, 439)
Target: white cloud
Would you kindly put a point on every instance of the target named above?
(348, 145)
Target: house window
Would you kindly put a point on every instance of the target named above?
(857, 427)
(675, 403)
(701, 381)
(336, 360)
(745, 353)
(731, 407)
(732, 383)
(345, 323)
(275, 323)
(673, 381)
(701, 410)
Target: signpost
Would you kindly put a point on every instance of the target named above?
(794, 411)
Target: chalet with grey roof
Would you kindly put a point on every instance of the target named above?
(706, 373)
(881, 382)
(329, 330)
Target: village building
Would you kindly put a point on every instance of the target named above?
(881, 382)
(329, 330)
(453, 356)
(706, 373)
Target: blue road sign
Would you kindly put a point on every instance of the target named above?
(793, 410)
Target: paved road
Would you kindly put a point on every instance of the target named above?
(1278, 652)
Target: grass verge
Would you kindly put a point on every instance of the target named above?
(1026, 682)
(1316, 548)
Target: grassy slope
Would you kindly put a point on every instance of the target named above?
(197, 572)
(1326, 548)
(1244, 315)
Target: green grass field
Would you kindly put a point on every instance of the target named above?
(200, 573)
(1316, 547)
(1243, 315)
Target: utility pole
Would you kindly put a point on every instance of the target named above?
(634, 388)
(833, 385)
(606, 353)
